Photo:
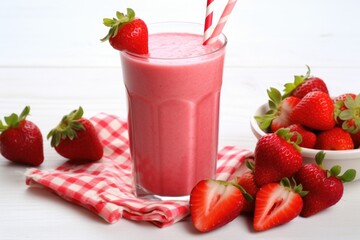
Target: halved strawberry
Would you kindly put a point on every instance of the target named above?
(214, 203)
(276, 204)
(280, 109)
(127, 33)
(302, 85)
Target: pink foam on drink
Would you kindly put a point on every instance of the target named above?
(176, 46)
(173, 101)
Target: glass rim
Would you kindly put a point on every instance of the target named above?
(146, 56)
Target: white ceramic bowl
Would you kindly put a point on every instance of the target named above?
(345, 158)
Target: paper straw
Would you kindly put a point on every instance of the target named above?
(208, 19)
(221, 23)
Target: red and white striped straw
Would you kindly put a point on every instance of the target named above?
(208, 19)
(221, 23)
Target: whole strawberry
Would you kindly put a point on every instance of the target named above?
(302, 85)
(334, 139)
(75, 138)
(276, 157)
(127, 33)
(214, 203)
(278, 115)
(21, 140)
(315, 111)
(247, 181)
(347, 108)
(308, 137)
(325, 188)
(276, 204)
(339, 103)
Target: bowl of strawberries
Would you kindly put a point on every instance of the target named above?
(316, 120)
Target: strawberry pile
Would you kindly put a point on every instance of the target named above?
(305, 107)
(276, 189)
(74, 138)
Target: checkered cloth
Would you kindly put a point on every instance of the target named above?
(106, 188)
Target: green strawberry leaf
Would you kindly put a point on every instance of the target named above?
(348, 176)
(335, 170)
(285, 182)
(108, 22)
(13, 120)
(350, 102)
(345, 114)
(24, 113)
(274, 103)
(319, 158)
(286, 134)
(250, 165)
(116, 23)
(298, 79)
(67, 128)
(274, 95)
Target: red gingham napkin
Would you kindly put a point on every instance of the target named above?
(106, 187)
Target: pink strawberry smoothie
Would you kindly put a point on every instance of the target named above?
(173, 103)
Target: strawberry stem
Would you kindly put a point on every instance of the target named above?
(67, 127)
(348, 176)
(286, 134)
(13, 120)
(351, 115)
(298, 79)
(250, 165)
(274, 103)
(116, 23)
(285, 182)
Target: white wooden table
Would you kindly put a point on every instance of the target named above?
(51, 58)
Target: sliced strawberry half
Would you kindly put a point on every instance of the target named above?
(276, 204)
(214, 203)
(280, 109)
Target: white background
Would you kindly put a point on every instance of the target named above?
(51, 58)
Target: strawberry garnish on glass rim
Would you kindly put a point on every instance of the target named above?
(127, 33)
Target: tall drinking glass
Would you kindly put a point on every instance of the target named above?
(173, 109)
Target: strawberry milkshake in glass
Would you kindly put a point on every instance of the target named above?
(173, 109)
